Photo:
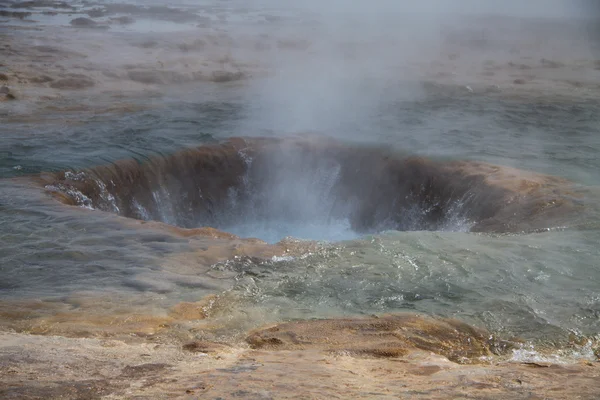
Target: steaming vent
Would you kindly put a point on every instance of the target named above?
(309, 189)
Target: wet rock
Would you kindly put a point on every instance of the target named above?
(41, 79)
(6, 94)
(73, 83)
(89, 369)
(201, 346)
(193, 311)
(82, 22)
(68, 390)
(382, 337)
(205, 231)
(14, 14)
(3, 77)
(137, 371)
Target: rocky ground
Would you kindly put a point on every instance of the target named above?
(398, 356)
(49, 50)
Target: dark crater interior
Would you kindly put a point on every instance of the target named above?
(276, 185)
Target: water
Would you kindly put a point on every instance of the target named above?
(536, 286)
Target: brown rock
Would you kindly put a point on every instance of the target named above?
(14, 14)
(41, 79)
(202, 346)
(83, 22)
(205, 231)
(387, 336)
(6, 94)
(137, 371)
(72, 83)
(90, 369)
(193, 311)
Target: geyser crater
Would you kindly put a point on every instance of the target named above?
(316, 189)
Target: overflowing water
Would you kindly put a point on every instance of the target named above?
(540, 285)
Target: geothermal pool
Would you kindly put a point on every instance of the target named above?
(203, 172)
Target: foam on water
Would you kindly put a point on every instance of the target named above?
(529, 353)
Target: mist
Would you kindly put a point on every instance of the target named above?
(337, 67)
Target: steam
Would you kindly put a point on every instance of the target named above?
(349, 64)
(340, 68)
(341, 62)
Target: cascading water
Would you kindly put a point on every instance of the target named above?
(297, 199)
(315, 189)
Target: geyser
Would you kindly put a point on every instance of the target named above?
(315, 188)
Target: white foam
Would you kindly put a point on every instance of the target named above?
(528, 354)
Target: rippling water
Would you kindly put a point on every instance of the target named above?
(537, 286)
